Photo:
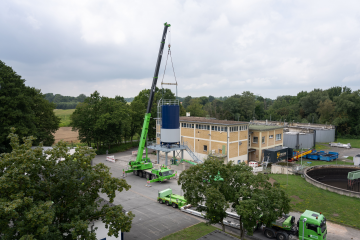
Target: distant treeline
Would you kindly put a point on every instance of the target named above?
(65, 102)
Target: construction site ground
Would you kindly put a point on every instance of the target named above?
(154, 220)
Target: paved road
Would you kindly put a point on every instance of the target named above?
(154, 220)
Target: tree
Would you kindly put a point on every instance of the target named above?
(24, 108)
(254, 199)
(195, 108)
(311, 102)
(200, 188)
(102, 120)
(347, 112)
(326, 110)
(186, 101)
(44, 198)
(252, 196)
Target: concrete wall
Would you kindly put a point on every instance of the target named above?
(328, 187)
(325, 135)
(277, 169)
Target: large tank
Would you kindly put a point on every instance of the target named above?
(170, 129)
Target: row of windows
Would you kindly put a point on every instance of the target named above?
(256, 139)
(235, 129)
(213, 128)
(187, 125)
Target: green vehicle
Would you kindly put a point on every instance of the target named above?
(311, 225)
(143, 167)
(166, 196)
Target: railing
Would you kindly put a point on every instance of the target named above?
(189, 149)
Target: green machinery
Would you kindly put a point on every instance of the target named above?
(143, 167)
(353, 180)
(311, 225)
(166, 196)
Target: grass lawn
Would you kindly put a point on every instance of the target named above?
(355, 143)
(336, 208)
(64, 116)
(194, 232)
(322, 146)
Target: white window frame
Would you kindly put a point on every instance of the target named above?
(278, 137)
(256, 140)
(271, 136)
(262, 140)
(205, 146)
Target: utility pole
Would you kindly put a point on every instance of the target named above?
(287, 167)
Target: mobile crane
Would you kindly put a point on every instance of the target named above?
(143, 167)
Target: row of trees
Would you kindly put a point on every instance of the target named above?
(24, 108)
(106, 121)
(251, 196)
(339, 106)
(64, 102)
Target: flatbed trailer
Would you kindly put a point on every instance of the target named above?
(166, 196)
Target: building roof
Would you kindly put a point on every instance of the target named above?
(264, 127)
(210, 121)
(217, 235)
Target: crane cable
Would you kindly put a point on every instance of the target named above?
(172, 64)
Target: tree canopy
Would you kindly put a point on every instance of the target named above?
(44, 198)
(251, 196)
(102, 120)
(24, 108)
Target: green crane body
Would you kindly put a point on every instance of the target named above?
(314, 227)
(143, 166)
(166, 196)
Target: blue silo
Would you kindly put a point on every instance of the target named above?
(170, 129)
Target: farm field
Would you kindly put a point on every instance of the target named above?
(64, 116)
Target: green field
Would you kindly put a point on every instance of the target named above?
(336, 208)
(311, 162)
(64, 116)
(355, 143)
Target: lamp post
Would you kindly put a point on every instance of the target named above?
(304, 220)
(287, 167)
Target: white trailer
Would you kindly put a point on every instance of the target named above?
(342, 145)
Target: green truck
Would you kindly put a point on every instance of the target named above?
(311, 225)
(143, 167)
(166, 196)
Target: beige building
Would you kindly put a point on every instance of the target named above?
(263, 137)
(219, 137)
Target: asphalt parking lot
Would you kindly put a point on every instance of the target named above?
(152, 220)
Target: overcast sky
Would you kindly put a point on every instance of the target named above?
(219, 48)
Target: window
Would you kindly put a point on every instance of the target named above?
(192, 126)
(205, 148)
(157, 135)
(222, 129)
(255, 139)
(271, 136)
(212, 128)
(225, 129)
(278, 137)
(262, 140)
(215, 128)
(208, 127)
(312, 227)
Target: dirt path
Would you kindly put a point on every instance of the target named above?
(65, 133)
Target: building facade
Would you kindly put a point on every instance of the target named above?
(263, 137)
(218, 137)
